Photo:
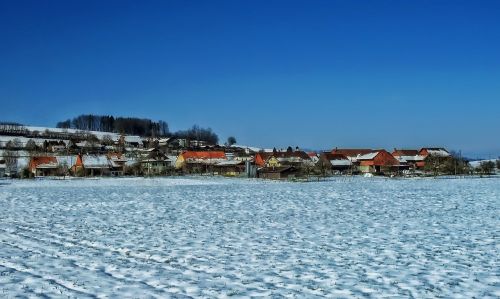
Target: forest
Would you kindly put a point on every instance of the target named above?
(136, 126)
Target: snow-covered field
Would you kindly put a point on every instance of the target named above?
(215, 237)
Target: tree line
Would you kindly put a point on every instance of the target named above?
(136, 126)
(122, 125)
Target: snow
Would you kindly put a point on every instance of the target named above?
(404, 159)
(438, 152)
(368, 156)
(216, 238)
(95, 161)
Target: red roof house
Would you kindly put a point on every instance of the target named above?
(43, 166)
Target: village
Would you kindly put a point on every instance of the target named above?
(34, 152)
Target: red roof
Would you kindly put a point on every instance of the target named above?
(204, 155)
(37, 161)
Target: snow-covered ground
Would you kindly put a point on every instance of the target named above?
(215, 237)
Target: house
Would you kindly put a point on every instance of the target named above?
(434, 151)
(334, 162)
(156, 162)
(378, 161)
(91, 165)
(43, 166)
(117, 163)
(155, 166)
(314, 157)
(230, 167)
(352, 153)
(276, 158)
(277, 173)
(410, 157)
(199, 161)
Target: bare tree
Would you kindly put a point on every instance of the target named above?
(486, 167)
(31, 147)
(11, 156)
(107, 140)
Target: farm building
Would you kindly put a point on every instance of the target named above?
(295, 158)
(199, 161)
(434, 151)
(379, 161)
(155, 166)
(352, 153)
(117, 163)
(230, 167)
(314, 157)
(334, 162)
(92, 165)
(277, 173)
(409, 157)
(43, 166)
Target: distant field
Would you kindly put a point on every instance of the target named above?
(216, 237)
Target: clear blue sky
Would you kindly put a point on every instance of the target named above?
(317, 74)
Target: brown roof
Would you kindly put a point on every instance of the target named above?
(351, 152)
(405, 152)
(329, 156)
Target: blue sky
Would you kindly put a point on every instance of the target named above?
(318, 74)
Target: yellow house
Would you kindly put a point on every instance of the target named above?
(273, 162)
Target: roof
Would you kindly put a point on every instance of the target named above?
(286, 154)
(330, 156)
(98, 161)
(410, 158)
(43, 162)
(436, 151)
(117, 157)
(204, 155)
(66, 160)
(352, 152)
(368, 156)
(405, 152)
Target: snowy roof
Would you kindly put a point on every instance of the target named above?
(340, 162)
(99, 161)
(368, 156)
(66, 160)
(133, 139)
(252, 148)
(410, 158)
(438, 152)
